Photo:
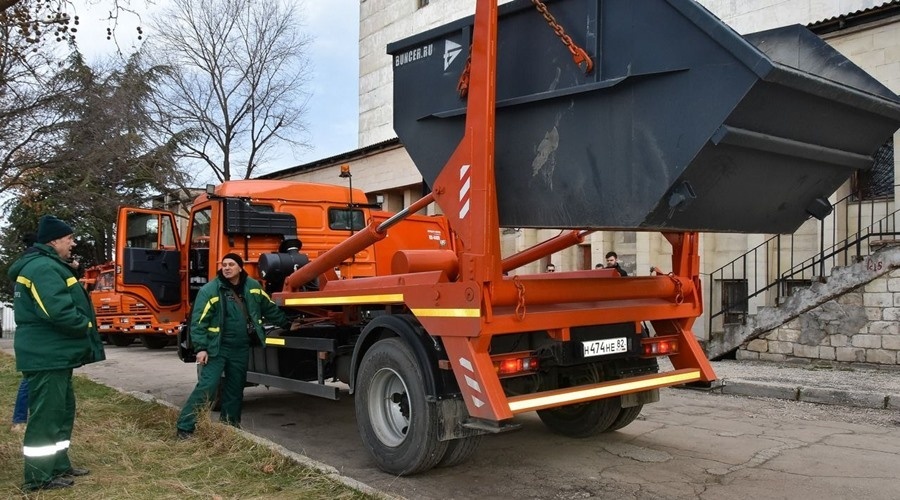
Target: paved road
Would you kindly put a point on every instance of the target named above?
(690, 445)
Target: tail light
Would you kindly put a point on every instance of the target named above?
(659, 346)
(511, 365)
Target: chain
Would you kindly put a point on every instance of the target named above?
(679, 294)
(463, 86)
(520, 303)
(581, 58)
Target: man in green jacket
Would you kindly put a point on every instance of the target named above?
(227, 318)
(55, 333)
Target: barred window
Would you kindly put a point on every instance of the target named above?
(878, 181)
(734, 300)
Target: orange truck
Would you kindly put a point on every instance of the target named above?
(677, 125)
(123, 318)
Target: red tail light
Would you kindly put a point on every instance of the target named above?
(511, 365)
(659, 346)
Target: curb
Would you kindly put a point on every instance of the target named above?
(327, 470)
(819, 395)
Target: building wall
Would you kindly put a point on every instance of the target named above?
(857, 327)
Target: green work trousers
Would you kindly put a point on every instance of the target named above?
(231, 361)
(51, 407)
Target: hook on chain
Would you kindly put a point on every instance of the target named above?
(679, 293)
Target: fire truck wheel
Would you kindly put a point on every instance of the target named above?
(397, 425)
(459, 450)
(121, 340)
(626, 416)
(155, 341)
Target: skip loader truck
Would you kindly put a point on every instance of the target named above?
(572, 114)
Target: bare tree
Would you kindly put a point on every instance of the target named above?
(238, 70)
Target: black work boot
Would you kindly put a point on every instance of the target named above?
(75, 472)
(181, 435)
(54, 484)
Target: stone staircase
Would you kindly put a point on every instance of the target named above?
(841, 281)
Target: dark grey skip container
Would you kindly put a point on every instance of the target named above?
(683, 124)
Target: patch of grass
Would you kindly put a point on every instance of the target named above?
(130, 447)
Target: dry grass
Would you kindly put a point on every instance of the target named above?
(130, 447)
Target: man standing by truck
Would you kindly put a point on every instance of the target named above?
(227, 319)
(55, 332)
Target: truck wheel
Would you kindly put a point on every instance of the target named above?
(121, 340)
(397, 425)
(155, 341)
(459, 450)
(625, 417)
(581, 420)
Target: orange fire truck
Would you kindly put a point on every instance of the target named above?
(579, 115)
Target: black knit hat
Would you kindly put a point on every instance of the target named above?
(50, 228)
(235, 257)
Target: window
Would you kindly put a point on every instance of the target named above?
(789, 286)
(143, 231)
(734, 301)
(200, 228)
(345, 219)
(878, 181)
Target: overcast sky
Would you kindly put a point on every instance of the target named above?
(333, 108)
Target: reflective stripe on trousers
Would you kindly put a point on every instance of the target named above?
(44, 451)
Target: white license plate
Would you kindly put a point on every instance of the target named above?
(104, 327)
(140, 327)
(605, 346)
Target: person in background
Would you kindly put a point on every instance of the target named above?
(227, 319)
(551, 268)
(612, 261)
(20, 410)
(55, 332)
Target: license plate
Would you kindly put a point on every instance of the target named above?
(104, 327)
(140, 327)
(605, 346)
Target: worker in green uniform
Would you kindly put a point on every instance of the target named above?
(55, 332)
(227, 319)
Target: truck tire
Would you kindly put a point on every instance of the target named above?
(397, 425)
(155, 341)
(120, 339)
(625, 417)
(459, 450)
(581, 420)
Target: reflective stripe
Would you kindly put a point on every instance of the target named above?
(260, 291)
(207, 306)
(34, 293)
(447, 313)
(214, 329)
(45, 451)
(71, 281)
(339, 301)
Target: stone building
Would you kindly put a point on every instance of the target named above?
(866, 31)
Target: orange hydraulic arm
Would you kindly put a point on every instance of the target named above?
(555, 244)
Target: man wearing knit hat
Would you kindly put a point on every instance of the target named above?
(55, 333)
(227, 319)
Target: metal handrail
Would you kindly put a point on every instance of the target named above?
(838, 252)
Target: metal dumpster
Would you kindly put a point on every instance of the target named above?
(683, 125)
